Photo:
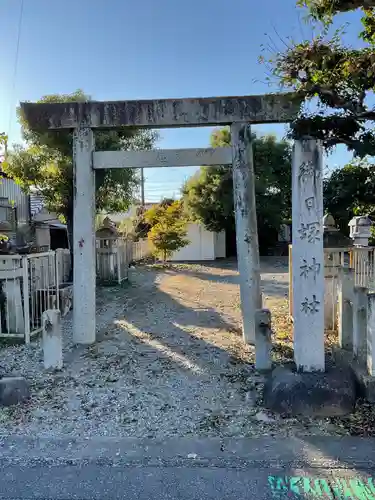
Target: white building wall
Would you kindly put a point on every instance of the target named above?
(14, 194)
(201, 246)
(207, 244)
(220, 245)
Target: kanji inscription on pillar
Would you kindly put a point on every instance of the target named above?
(307, 255)
(312, 267)
(310, 306)
(310, 231)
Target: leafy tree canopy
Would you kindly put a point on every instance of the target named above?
(46, 162)
(167, 227)
(3, 139)
(208, 195)
(350, 191)
(145, 218)
(339, 78)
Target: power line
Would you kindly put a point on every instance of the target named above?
(15, 67)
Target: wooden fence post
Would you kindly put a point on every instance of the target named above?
(345, 307)
(360, 323)
(371, 333)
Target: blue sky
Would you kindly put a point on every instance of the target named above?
(128, 49)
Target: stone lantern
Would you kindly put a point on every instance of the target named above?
(335, 242)
(360, 230)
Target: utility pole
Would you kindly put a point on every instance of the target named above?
(142, 187)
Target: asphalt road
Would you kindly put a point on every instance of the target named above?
(187, 469)
(152, 483)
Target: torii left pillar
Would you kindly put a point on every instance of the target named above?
(84, 264)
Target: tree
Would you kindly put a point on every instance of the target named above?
(208, 195)
(47, 163)
(3, 139)
(350, 191)
(339, 78)
(167, 227)
(142, 224)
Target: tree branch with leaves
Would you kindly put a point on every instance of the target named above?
(46, 162)
(168, 228)
(340, 78)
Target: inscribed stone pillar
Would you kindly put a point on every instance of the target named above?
(308, 256)
(246, 227)
(84, 238)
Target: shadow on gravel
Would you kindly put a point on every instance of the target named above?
(201, 275)
(152, 348)
(271, 287)
(164, 319)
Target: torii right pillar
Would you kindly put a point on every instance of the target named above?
(308, 255)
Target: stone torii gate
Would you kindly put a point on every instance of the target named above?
(239, 113)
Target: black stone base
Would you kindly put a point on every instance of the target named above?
(329, 394)
(366, 382)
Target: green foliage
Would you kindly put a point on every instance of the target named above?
(350, 191)
(143, 223)
(126, 226)
(167, 228)
(208, 195)
(47, 163)
(324, 10)
(340, 78)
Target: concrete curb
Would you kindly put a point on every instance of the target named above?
(309, 451)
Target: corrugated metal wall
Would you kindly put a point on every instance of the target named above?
(10, 190)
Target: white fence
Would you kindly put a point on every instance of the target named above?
(114, 255)
(29, 285)
(356, 324)
(360, 259)
(363, 263)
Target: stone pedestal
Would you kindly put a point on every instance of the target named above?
(328, 394)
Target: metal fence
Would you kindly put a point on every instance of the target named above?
(29, 285)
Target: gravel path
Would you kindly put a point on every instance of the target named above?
(169, 361)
